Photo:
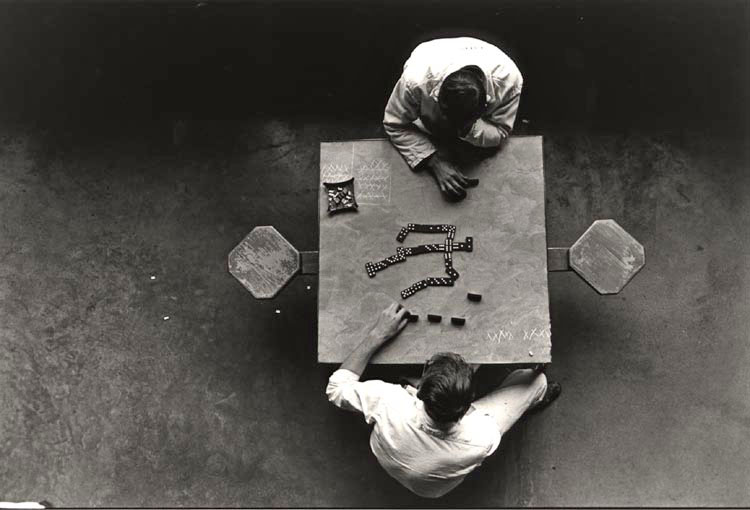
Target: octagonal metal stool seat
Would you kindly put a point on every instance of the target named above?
(264, 262)
(606, 256)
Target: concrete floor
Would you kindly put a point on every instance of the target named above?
(103, 402)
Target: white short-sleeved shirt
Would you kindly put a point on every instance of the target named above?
(425, 459)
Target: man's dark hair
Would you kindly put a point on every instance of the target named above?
(462, 95)
(446, 387)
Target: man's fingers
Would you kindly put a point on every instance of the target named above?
(457, 186)
(402, 313)
(450, 187)
(402, 324)
(461, 178)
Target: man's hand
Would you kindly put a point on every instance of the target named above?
(389, 324)
(449, 178)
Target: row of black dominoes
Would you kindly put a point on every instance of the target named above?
(430, 228)
(467, 245)
(418, 250)
(456, 321)
(425, 229)
(413, 289)
(373, 268)
(446, 247)
(427, 282)
(449, 269)
(439, 282)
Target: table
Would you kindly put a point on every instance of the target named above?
(508, 264)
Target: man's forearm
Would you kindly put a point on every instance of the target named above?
(414, 145)
(359, 358)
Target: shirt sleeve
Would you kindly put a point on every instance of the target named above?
(495, 437)
(346, 391)
(400, 113)
(488, 431)
(496, 125)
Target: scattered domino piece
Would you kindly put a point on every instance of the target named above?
(471, 182)
(434, 318)
(412, 317)
(452, 273)
(474, 297)
(458, 321)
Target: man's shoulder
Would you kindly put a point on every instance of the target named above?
(418, 74)
(453, 44)
(397, 402)
(506, 79)
(430, 61)
(391, 390)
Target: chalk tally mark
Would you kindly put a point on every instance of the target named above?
(501, 335)
(374, 182)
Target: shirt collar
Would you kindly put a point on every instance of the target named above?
(428, 425)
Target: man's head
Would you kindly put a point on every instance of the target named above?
(463, 97)
(446, 387)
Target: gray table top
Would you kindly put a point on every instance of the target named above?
(508, 266)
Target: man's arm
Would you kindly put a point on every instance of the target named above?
(344, 389)
(495, 125)
(400, 112)
(389, 324)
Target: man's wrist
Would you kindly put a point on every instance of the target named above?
(375, 341)
(426, 163)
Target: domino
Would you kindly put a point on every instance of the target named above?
(452, 273)
(410, 291)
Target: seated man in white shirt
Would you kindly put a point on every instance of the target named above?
(452, 89)
(430, 438)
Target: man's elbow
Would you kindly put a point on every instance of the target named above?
(494, 138)
(332, 393)
(493, 142)
(487, 142)
(392, 129)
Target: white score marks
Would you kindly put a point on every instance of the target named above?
(501, 335)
